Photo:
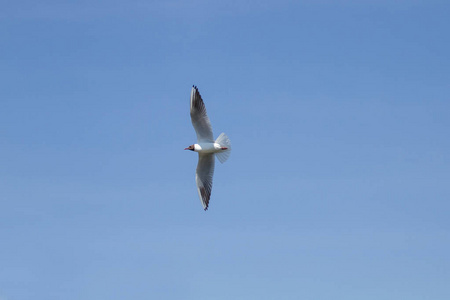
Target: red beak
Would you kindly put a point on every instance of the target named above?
(186, 148)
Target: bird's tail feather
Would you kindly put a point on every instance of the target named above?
(223, 141)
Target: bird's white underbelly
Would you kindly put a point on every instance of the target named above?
(207, 147)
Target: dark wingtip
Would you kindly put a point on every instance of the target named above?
(206, 208)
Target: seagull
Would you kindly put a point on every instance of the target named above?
(206, 147)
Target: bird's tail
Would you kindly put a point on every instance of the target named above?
(223, 141)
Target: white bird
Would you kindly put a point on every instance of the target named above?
(206, 147)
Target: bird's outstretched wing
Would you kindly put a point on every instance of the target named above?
(199, 118)
(204, 177)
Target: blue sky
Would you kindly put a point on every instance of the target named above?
(337, 186)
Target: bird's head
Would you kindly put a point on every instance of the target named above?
(191, 147)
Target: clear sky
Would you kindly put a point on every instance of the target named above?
(338, 186)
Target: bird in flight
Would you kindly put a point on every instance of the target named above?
(206, 147)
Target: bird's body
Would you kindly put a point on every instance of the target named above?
(206, 146)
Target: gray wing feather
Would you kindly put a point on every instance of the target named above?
(199, 118)
(204, 177)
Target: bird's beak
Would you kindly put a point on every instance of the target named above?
(186, 148)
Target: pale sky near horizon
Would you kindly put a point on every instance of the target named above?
(337, 186)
